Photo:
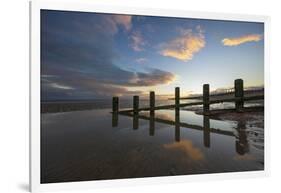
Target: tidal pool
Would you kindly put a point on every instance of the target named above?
(96, 145)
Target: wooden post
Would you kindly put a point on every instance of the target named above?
(206, 96)
(177, 100)
(239, 93)
(115, 105)
(136, 104)
(177, 114)
(152, 102)
(152, 118)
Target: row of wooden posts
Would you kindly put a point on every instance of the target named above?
(206, 102)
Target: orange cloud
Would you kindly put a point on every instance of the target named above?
(184, 47)
(123, 20)
(187, 147)
(113, 22)
(241, 40)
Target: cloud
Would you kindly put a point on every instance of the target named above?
(59, 86)
(137, 41)
(81, 88)
(77, 58)
(186, 147)
(123, 20)
(241, 40)
(184, 47)
(152, 78)
(114, 21)
(141, 60)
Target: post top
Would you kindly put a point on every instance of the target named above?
(238, 80)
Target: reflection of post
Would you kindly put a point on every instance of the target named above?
(151, 125)
(177, 125)
(206, 94)
(241, 143)
(239, 93)
(135, 122)
(114, 119)
(206, 132)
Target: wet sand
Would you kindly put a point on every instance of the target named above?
(253, 116)
(253, 119)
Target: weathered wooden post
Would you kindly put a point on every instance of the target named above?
(115, 104)
(206, 98)
(239, 93)
(177, 113)
(152, 113)
(206, 132)
(136, 112)
(152, 102)
(136, 104)
(177, 100)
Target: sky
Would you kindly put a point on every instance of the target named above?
(97, 55)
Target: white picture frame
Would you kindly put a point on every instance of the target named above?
(36, 6)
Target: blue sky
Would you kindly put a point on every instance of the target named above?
(89, 55)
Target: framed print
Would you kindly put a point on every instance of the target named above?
(125, 96)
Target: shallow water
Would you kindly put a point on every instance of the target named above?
(95, 145)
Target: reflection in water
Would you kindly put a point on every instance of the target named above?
(114, 119)
(93, 150)
(152, 125)
(135, 121)
(187, 147)
(177, 124)
(206, 132)
(241, 143)
(152, 116)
